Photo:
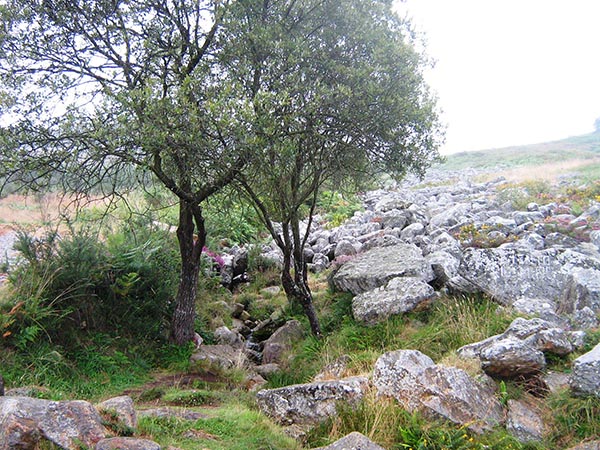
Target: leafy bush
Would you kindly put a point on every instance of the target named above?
(337, 208)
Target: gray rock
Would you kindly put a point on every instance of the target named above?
(123, 407)
(344, 248)
(353, 441)
(595, 238)
(444, 265)
(450, 216)
(418, 384)
(508, 273)
(66, 424)
(524, 423)
(334, 370)
(511, 357)
(180, 413)
(398, 296)
(556, 381)
(378, 240)
(319, 263)
(126, 443)
(582, 290)
(377, 266)
(395, 219)
(585, 376)
(521, 217)
(585, 319)
(282, 341)
(223, 356)
(266, 370)
(224, 336)
(591, 445)
(411, 231)
(312, 403)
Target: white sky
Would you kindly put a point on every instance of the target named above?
(512, 72)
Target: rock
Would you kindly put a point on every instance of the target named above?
(66, 424)
(511, 357)
(123, 407)
(556, 381)
(126, 443)
(312, 403)
(585, 318)
(180, 413)
(266, 370)
(224, 336)
(400, 295)
(507, 273)
(418, 384)
(379, 241)
(395, 219)
(582, 290)
(450, 216)
(444, 265)
(377, 266)
(595, 238)
(282, 341)
(521, 217)
(411, 231)
(591, 445)
(334, 370)
(524, 423)
(585, 376)
(223, 356)
(344, 248)
(253, 382)
(353, 441)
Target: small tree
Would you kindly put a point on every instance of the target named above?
(94, 88)
(338, 96)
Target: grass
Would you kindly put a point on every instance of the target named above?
(229, 427)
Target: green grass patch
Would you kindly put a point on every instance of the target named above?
(231, 427)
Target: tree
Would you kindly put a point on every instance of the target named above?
(92, 88)
(338, 95)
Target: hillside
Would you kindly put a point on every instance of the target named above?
(578, 153)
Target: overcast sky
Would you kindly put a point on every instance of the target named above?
(512, 72)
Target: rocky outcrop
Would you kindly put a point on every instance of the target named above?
(312, 403)
(353, 441)
(376, 267)
(418, 384)
(585, 376)
(25, 421)
(398, 296)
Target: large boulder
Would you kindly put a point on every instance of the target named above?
(69, 425)
(582, 290)
(400, 295)
(447, 392)
(312, 403)
(508, 273)
(585, 377)
(281, 341)
(519, 351)
(353, 441)
(377, 266)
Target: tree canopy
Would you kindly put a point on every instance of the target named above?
(338, 96)
(278, 97)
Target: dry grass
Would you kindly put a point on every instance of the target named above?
(542, 172)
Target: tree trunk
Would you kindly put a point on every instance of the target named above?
(190, 248)
(296, 289)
